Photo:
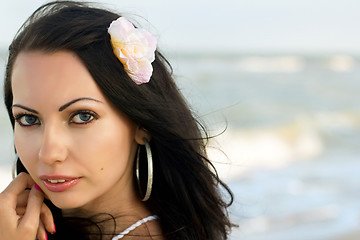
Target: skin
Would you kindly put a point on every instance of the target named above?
(23, 215)
(66, 126)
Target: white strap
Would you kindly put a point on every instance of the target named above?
(135, 225)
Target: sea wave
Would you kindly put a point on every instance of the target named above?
(273, 147)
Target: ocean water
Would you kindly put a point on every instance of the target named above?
(291, 149)
(293, 140)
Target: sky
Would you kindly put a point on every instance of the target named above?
(309, 26)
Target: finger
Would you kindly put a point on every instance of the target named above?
(22, 199)
(47, 219)
(20, 211)
(16, 187)
(46, 216)
(31, 219)
(41, 234)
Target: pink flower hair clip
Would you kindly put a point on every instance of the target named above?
(135, 48)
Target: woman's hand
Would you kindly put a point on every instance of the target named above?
(23, 214)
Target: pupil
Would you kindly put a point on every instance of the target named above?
(84, 116)
(30, 119)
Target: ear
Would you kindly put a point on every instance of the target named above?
(140, 134)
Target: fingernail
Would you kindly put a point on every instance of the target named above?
(38, 188)
(54, 229)
(46, 237)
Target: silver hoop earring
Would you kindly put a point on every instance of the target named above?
(150, 172)
(14, 168)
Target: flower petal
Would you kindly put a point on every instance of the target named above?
(135, 48)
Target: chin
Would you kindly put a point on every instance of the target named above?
(67, 203)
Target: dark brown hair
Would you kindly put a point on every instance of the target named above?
(186, 189)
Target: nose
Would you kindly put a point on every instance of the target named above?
(53, 146)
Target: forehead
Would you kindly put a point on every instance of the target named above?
(41, 77)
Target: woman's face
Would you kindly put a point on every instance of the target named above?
(75, 144)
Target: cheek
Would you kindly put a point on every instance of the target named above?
(27, 146)
(105, 148)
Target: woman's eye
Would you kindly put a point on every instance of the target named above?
(27, 120)
(83, 117)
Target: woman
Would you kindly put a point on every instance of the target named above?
(103, 135)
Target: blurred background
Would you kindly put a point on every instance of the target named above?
(283, 78)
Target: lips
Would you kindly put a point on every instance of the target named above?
(59, 183)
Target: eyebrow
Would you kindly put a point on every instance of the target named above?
(23, 107)
(62, 108)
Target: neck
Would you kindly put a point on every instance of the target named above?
(113, 212)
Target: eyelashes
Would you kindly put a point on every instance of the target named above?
(83, 117)
(25, 120)
(80, 117)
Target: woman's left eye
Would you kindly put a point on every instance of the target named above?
(83, 117)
